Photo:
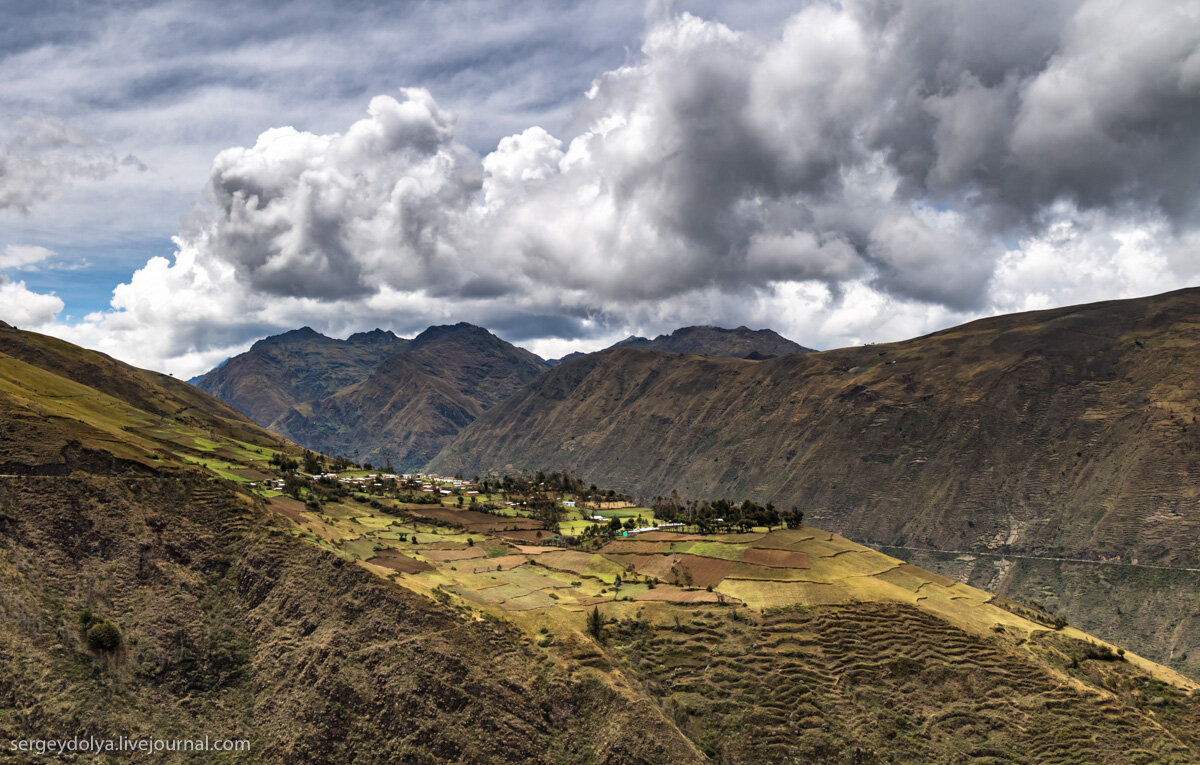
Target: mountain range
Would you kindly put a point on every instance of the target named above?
(1042, 455)
(154, 588)
(384, 399)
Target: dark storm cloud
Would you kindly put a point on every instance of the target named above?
(518, 328)
(1011, 107)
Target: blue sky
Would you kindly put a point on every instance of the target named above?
(571, 173)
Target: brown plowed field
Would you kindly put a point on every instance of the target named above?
(671, 594)
(622, 546)
(473, 520)
(398, 561)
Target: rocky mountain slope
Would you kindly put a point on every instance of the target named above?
(741, 343)
(284, 370)
(417, 400)
(1064, 434)
(385, 399)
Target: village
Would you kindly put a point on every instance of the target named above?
(569, 515)
(550, 553)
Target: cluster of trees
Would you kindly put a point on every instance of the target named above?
(285, 463)
(723, 515)
(553, 484)
(311, 462)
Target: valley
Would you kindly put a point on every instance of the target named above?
(323, 609)
(636, 383)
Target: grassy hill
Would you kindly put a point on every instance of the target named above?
(1064, 434)
(66, 408)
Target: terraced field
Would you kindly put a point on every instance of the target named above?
(656, 573)
(887, 682)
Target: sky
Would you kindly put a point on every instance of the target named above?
(179, 179)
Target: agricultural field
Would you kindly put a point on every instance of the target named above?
(504, 565)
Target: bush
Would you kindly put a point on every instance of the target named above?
(103, 635)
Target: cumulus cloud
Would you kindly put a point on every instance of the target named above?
(25, 308)
(43, 155)
(22, 255)
(873, 171)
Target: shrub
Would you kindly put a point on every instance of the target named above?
(103, 635)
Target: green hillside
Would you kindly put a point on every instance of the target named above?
(65, 408)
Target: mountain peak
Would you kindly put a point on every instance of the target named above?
(291, 336)
(373, 337)
(462, 329)
(706, 340)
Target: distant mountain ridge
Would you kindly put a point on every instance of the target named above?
(704, 340)
(416, 400)
(384, 398)
(741, 342)
(374, 396)
(285, 370)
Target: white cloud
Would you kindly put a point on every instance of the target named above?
(873, 172)
(43, 155)
(20, 255)
(26, 309)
